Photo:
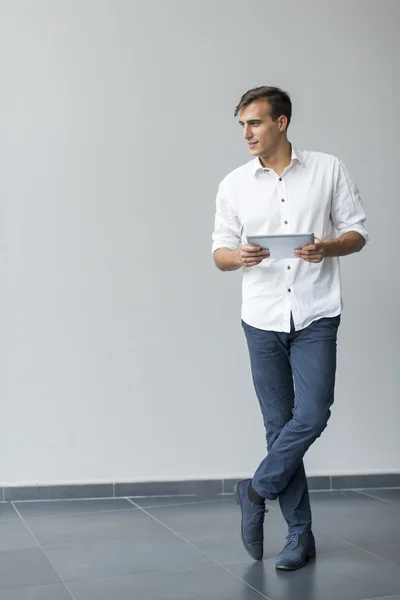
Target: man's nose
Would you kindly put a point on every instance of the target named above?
(247, 133)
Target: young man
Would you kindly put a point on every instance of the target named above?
(290, 308)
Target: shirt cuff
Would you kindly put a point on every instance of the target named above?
(359, 229)
(230, 245)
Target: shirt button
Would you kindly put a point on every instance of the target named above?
(289, 268)
(283, 199)
(286, 223)
(289, 290)
(280, 178)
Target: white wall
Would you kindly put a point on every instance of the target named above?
(122, 351)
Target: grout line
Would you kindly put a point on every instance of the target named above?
(40, 547)
(117, 510)
(62, 499)
(366, 489)
(383, 598)
(165, 496)
(199, 550)
(99, 498)
(362, 493)
(81, 514)
(143, 573)
(181, 504)
(358, 547)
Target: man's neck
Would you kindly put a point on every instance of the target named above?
(278, 160)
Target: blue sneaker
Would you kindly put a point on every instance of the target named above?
(299, 549)
(252, 520)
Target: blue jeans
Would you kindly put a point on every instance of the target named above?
(294, 379)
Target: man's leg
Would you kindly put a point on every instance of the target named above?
(313, 363)
(273, 384)
(313, 360)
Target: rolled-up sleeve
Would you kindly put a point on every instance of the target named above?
(347, 210)
(227, 228)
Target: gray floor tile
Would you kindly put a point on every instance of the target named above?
(15, 536)
(25, 568)
(355, 517)
(48, 592)
(389, 550)
(71, 529)
(154, 502)
(215, 529)
(341, 500)
(106, 548)
(48, 508)
(7, 512)
(360, 525)
(397, 597)
(199, 584)
(392, 496)
(120, 557)
(350, 574)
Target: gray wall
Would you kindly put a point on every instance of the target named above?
(122, 347)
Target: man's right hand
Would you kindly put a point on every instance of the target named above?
(251, 255)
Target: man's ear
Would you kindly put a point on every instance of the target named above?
(282, 122)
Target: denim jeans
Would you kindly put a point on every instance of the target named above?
(294, 379)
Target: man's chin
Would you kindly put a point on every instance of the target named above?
(255, 151)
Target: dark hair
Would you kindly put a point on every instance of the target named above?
(278, 100)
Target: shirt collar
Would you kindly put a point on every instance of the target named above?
(296, 156)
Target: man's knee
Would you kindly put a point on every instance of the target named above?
(273, 430)
(313, 423)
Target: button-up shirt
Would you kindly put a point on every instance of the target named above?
(315, 194)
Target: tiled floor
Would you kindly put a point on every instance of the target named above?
(188, 548)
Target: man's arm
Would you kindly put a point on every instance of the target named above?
(227, 260)
(348, 217)
(348, 243)
(227, 234)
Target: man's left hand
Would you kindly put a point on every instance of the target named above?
(314, 253)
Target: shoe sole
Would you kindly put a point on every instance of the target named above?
(307, 557)
(238, 502)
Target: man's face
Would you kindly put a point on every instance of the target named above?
(261, 133)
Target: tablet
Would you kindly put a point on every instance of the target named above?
(282, 246)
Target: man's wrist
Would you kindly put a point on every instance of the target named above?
(238, 259)
(332, 248)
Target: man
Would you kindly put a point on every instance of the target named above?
(290, 308)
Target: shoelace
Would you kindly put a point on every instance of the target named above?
(259, 515)
(293, 539)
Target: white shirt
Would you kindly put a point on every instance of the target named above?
(314, 193)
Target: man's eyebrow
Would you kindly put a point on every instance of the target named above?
(251, 121)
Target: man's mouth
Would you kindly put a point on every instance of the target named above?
(252, 144)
